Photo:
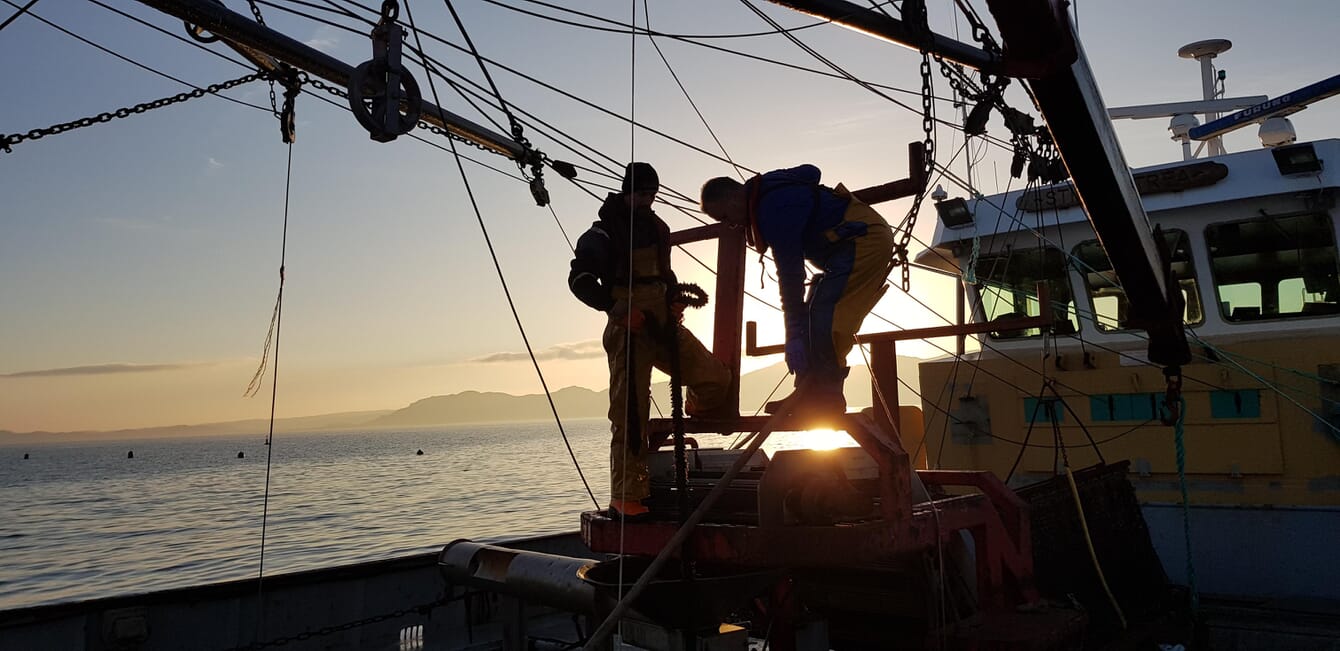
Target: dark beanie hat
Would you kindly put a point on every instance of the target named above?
(640, 176)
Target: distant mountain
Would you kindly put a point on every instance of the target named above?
(578, 402)
(492, 407)
(478, 407)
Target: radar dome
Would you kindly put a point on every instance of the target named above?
(1277, 132)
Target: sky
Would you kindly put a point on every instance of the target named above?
(139, 258)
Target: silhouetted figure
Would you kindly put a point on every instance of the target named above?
(25, 455)
(240, 455)
(419, 453)
(130, 455)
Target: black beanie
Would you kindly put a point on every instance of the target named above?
(640, 176)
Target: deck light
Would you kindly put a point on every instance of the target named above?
(954, 213)
(1297, 159)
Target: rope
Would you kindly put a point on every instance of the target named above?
(1179, 441)
(502, 279)
(275, 323)
(1088, 541)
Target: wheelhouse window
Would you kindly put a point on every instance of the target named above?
(1008, 289)
(1275, 267)
(1111, 308)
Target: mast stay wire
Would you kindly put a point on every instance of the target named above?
(133, 62)
(15, 16)
(1003, 145)
(646, 15)
(479, 217)
(276, 324)
(694, 38)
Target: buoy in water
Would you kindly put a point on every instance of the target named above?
(25, 455)
(240, 455)
(419, 453)
(130, 455)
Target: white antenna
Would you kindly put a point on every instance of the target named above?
(1205, 52)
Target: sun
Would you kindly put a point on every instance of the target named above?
(825, 439)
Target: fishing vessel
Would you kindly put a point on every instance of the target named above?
(931, 533)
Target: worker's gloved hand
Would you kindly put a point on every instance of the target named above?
(797, 355)
(677, 311)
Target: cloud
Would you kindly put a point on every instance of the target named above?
(578, 350)
(214, 163)
(325, 39)
(102, 369)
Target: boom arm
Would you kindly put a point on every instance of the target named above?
(258, 43)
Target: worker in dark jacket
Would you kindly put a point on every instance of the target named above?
(622, 267)
(851, 244)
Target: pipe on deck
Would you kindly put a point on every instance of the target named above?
(547, 579)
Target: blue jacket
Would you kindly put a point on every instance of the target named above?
(783, 209)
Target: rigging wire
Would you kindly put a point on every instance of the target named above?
(633, 29)
(988, 138)
(276, 325)
(15, 16)
(479, 217)
(646, 12)
(133, 62)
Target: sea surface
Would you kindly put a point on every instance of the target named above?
(81, 520)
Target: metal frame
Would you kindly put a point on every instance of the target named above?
(265, 47)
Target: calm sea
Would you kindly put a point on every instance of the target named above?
(82, 520)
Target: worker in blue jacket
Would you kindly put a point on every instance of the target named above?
(789, 212)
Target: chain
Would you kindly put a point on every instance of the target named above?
(9, 140)
(274, 106)
(425, 609)
(927, 166)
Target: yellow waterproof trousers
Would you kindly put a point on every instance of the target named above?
(865, 285)
(706, 379)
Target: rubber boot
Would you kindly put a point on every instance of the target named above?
(823, 400)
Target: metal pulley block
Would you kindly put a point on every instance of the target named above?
(378, 88)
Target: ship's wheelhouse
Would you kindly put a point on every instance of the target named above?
(1253, 253)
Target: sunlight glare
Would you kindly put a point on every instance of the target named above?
(826, 439)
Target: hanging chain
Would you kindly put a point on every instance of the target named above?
(9, 140)
(927, 166)
(274, 108)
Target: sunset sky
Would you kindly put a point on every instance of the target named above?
(139, 259)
